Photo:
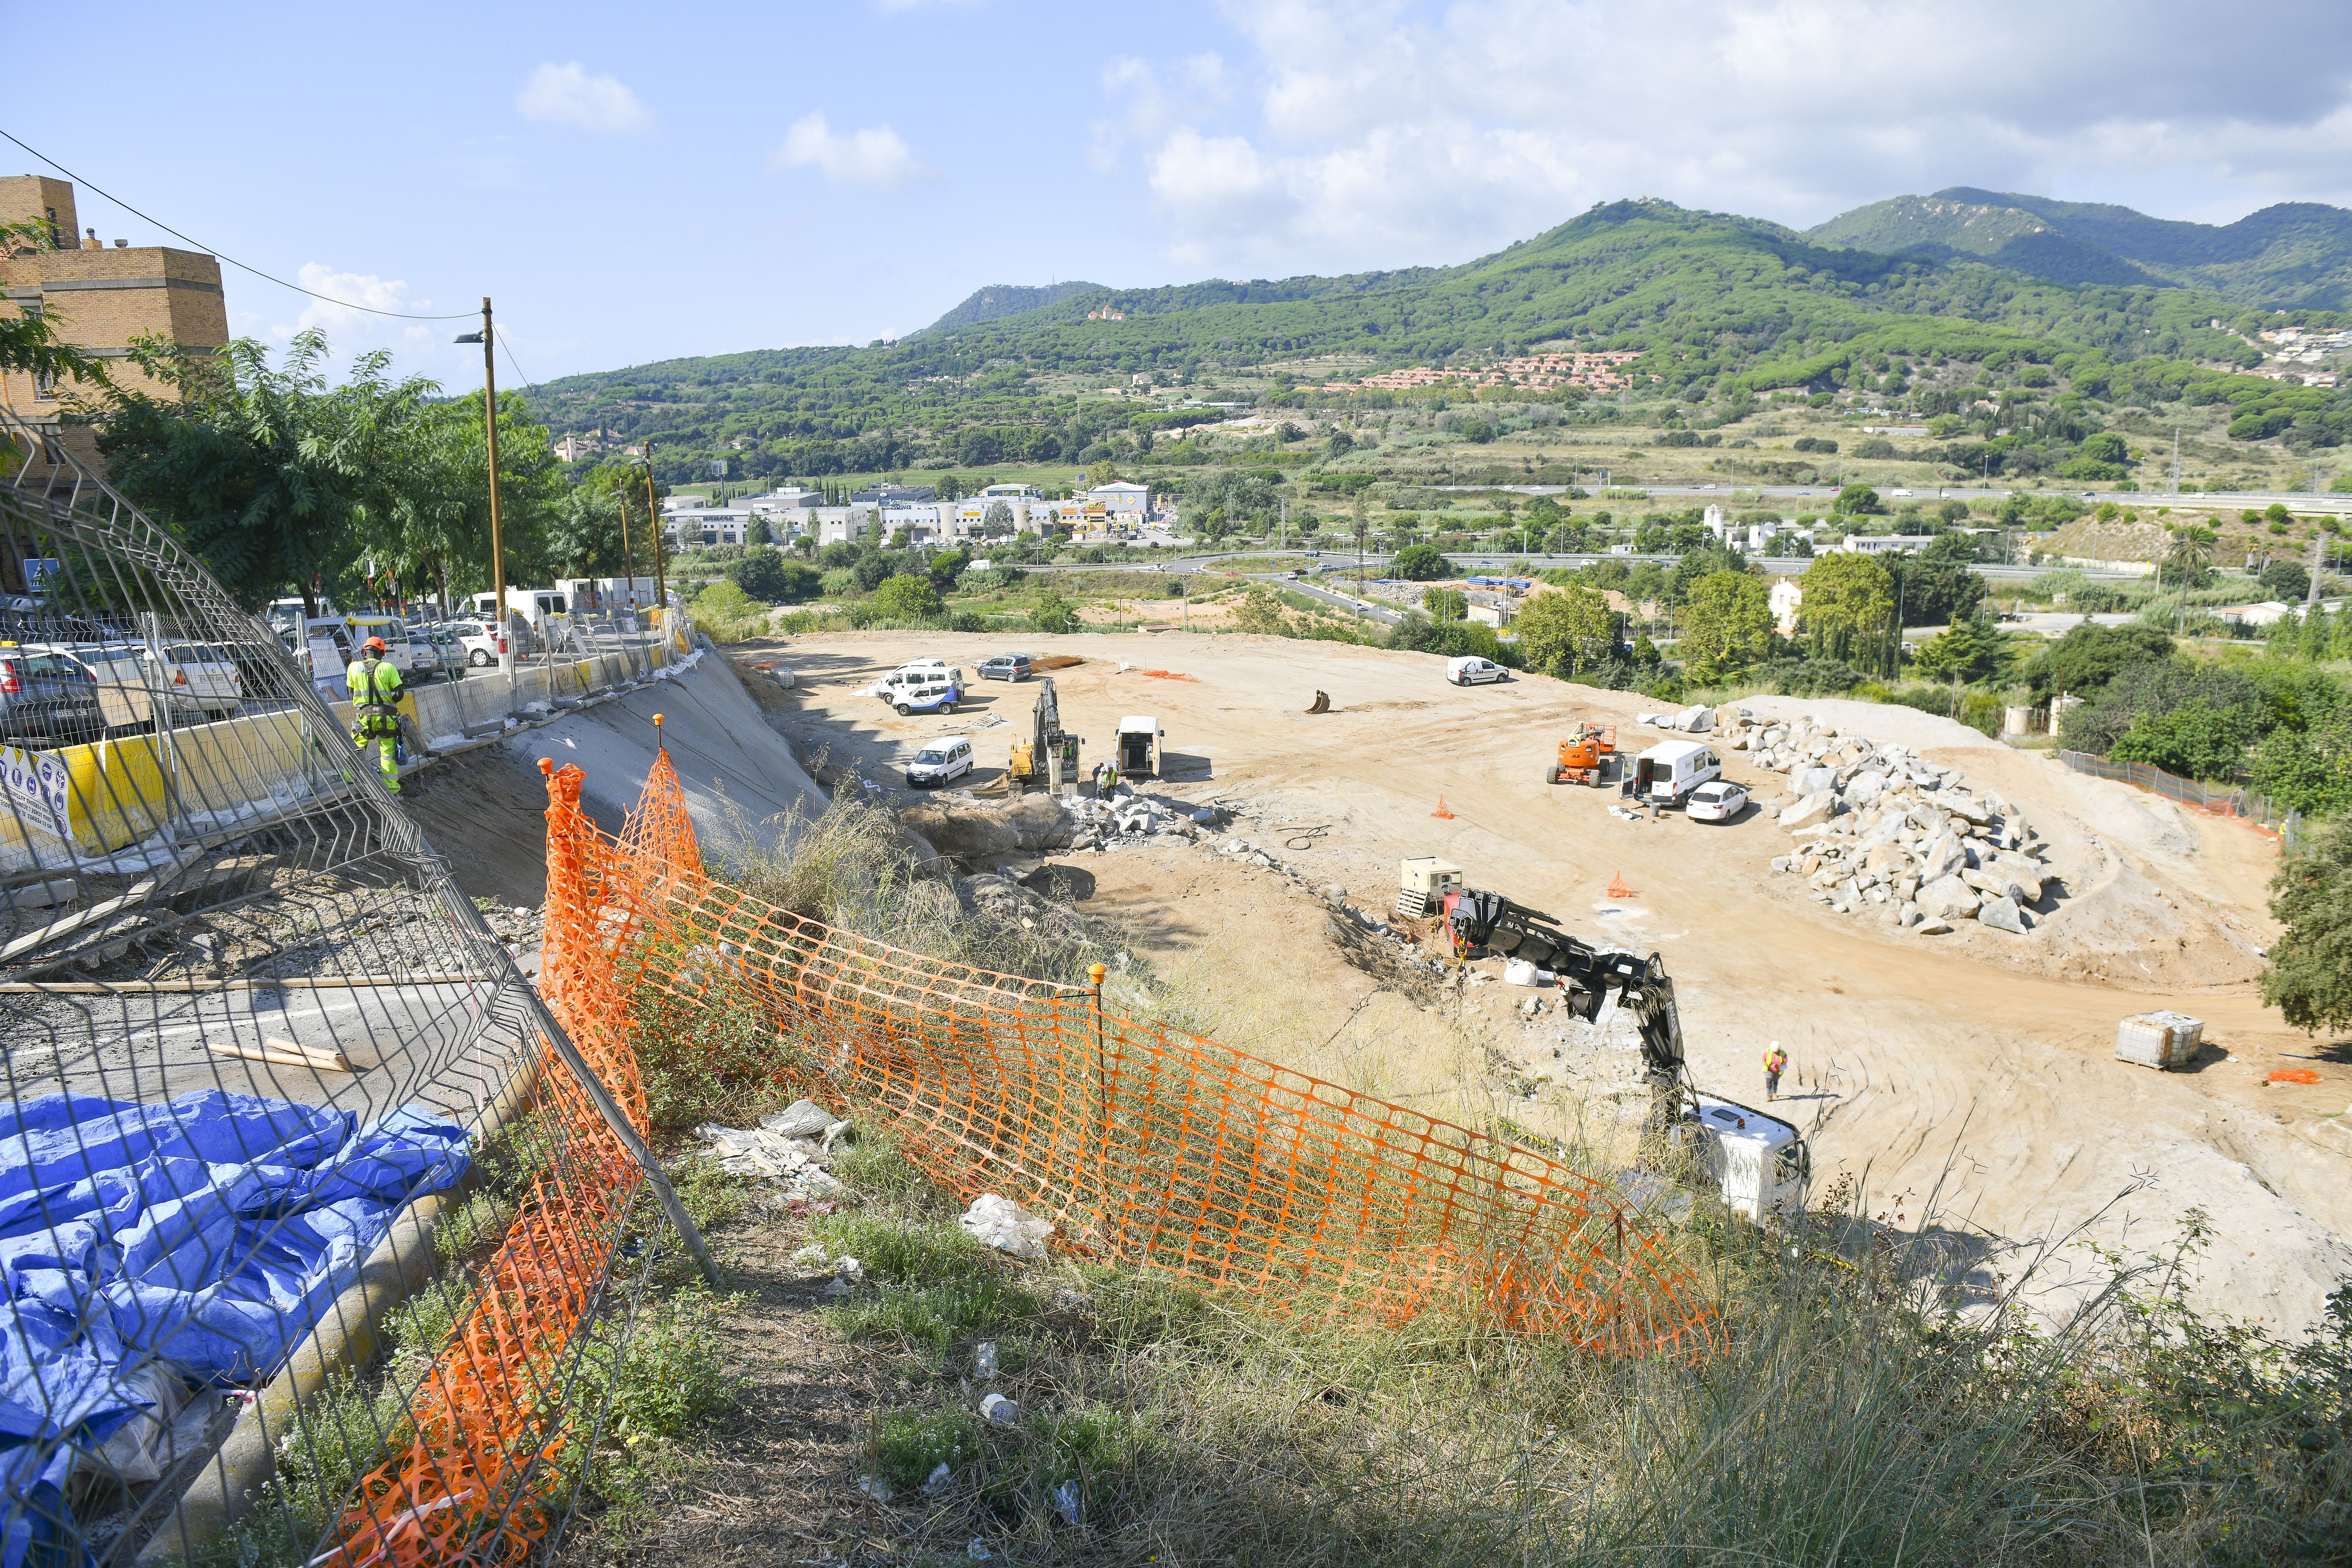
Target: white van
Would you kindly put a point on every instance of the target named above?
(893, 687)
(1138, 746)
(939, 763)
(1471, 670)
(1667, 773)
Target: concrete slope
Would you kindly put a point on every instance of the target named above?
(740, 776)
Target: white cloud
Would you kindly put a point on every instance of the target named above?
(567, 95)
(874, 157)
(1373, 133)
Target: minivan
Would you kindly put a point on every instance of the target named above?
(1668, 772)
(925, 691)
(940, 762)
(922, 672)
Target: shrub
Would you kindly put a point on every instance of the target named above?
(1054, 614)
(906, 597)
(1420, 564)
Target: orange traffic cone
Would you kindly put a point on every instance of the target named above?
(1441, 810)
(1617, 887)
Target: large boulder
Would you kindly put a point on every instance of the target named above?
(1961, 803)
(1694, 720)
(1949, 897)
(1812, 811)
(1941, 857)
(1812, 780)
(968, 831)
(1863, 788)
(2001, 915)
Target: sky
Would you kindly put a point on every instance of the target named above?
(632, 184)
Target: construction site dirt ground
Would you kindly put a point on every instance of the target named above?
(1966, 1080)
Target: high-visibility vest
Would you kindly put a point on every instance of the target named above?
(374, 685)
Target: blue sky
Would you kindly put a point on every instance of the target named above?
(634, 185)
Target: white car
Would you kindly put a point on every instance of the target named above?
(939, 763)
(478, 640)
(1470, 669)
(1719, 800)
(892, 688)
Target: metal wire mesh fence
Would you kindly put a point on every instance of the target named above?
(277, 1097)
(2232, 800)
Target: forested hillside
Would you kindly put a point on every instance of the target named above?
(1717, 306)
(2294, 256)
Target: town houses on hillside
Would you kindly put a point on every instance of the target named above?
(1597, 372)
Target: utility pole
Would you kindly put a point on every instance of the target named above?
(486, 337)
(2175, 459)
(653, 515)
(628, 560)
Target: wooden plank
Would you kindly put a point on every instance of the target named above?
(284, 1053)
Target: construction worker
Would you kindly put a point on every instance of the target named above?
(375, 684)
(1776, 1062)
(1106, 779)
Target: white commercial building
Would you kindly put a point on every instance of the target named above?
(1124, 502)
(1884, 543)
(1787, 594)
(1028, 506)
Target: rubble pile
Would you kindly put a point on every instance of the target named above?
(792, 1149)
(1128, 817)
(1883, 833)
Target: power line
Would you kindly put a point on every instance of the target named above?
(232, 261)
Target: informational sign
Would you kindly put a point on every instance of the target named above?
(38, 788)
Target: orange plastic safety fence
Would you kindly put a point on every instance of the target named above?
(1146, 1145)
(479, 1480)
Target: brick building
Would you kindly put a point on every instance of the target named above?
(100, 297)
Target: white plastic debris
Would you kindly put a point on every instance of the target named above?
(983, 1359)
(939, 1477)
(851, 1270)
(1000, 1223)
(812, 1253)
(1519, 971)
(802, 1119)
(1065, 1502)
(999, 1411)
(978, 1551)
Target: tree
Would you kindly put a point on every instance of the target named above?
(1421, 563)
(2190, 557)
(758, 532)
(1857, 497)
(1567, 630)
(2310, 977)
(760, 574)
(1726, 624)
(1965, 651)
(1848, 604)
(996, 520)
(1260, 610)
(2284, 581)
(2088, 657)
(269, 474)
(1054, 614)
(1445, 603)
(946, 567)
(906, 597)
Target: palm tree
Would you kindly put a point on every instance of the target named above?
(2191, 552)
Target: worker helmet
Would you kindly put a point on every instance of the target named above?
(374, 644)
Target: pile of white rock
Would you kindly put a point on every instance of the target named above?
(1105, 824)
(1883, 832)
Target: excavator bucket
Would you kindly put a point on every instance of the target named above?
(1322, 703)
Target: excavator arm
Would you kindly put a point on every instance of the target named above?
(1599, 981)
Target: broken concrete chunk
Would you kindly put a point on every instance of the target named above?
(1817, 808)
(1947, 897)
(2001, 915)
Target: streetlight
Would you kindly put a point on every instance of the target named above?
(488, 338)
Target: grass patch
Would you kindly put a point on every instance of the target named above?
(908, 1445)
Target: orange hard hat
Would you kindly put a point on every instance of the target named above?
(375, 643)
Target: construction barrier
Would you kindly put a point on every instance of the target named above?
(1147, 1146)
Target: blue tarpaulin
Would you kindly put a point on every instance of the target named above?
(209, 1232)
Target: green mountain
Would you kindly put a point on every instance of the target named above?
(1711, 301)
(2294, 256)
(1005, 300)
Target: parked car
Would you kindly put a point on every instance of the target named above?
(477, 641)
(48, 697)
(1470, 670)
(1005, 667)
(1717, 800)
(939, 763)
(201, 676)
(932, 691)
(437, 649)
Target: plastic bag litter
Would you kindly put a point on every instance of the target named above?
(1519, 971)
(1000, 1223)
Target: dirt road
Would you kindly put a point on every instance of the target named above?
(1976, 1068)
